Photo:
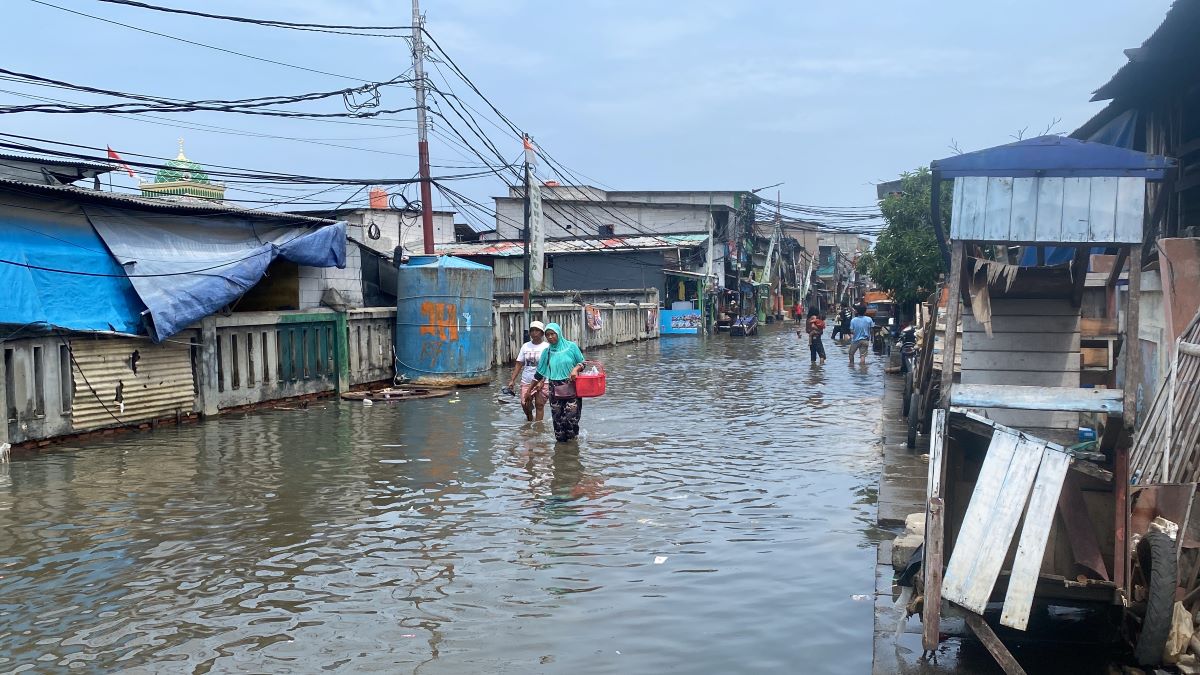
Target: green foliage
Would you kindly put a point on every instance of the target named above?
(906, 259)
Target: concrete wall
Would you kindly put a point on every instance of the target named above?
(397, 228)
(314, 281)
(596, 271)
(584, 219)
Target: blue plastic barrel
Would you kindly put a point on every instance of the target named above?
(444, 321)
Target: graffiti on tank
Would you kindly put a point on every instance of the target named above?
(441, 320)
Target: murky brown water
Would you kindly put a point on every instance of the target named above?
(447, 536)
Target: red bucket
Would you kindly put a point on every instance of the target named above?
(591, 382)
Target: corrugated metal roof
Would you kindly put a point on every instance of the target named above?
(48, 161)
(161, 386)
(166, 204)
(508, 249)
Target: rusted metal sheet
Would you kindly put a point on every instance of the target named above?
(129, 380)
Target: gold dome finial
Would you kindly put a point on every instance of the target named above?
(181, 155)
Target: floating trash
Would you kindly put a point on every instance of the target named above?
(660, 559)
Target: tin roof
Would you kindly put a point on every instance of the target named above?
(1054, 156)
(508, 249)
(166, 203)
(48, 161)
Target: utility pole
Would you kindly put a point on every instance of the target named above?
(526, 233)
(418, 48)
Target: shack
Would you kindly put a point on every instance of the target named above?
(1003, 456)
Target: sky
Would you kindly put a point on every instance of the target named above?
(827, 98)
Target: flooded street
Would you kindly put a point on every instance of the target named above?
(716, 516)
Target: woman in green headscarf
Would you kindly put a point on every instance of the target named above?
(560, 363)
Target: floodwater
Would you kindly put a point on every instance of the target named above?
(716, 516)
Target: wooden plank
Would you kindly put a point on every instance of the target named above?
(1032, 307)
(1004, 518)
(953, 305)
(1094, 357)
(1131, 210)
(1049, 378)
(1014, 397)
(1133, 352)
(1034, 342)
(937, 445)
(997, 209)
(1039, 516)
(1089, 327)
(1102, 209)
(1081, 532)
(974, 198)
(997, 502)
(956, 204)
(995, 647)
(1023, 219)
(1049, 210)
(1077, 194)
(1038, 422)
(976, 524)
(931, 612)
(1020, 360)
(1025, 324)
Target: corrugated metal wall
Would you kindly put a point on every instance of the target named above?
(125, 380)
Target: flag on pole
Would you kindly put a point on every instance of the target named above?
(112, 154)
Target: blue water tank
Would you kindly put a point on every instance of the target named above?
(444, 321)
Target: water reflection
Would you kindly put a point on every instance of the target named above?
(713, 517)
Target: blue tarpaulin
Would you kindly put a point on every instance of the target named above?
(185, 268)
(60, 238)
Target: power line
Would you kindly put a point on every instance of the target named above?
(314, 27)
(200, 44)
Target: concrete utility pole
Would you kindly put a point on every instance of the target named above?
(527, 235)
(418, 54)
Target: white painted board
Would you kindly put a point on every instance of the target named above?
(1039, 517)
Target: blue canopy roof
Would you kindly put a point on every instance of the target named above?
(1054, 156)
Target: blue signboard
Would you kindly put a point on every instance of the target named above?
(680, 322)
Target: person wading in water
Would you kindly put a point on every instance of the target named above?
(560, 364)
(532, 393)
(815, 328)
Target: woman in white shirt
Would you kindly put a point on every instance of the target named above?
(534, 394)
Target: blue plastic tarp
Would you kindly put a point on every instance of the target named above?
(186, 267)
(79, 286)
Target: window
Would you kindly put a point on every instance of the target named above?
(39, 383)
(606, 230)
(66, 378)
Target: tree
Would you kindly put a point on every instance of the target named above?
(906, 259)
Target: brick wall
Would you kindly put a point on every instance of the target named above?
(314, 281)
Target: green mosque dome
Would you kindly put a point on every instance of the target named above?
(181, 169)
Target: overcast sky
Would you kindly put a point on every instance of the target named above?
(826, 97)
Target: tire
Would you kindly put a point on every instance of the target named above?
(914, 417)
(908, 391)
(1158, 550)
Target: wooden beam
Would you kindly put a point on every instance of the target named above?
(1121, 509)
(987, 636)
(1133, 349)
(953, 307)
(1018, 397)
(1039, 516)
(1079, 269)
(1118, 265)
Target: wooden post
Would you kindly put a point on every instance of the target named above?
(987, 636)
(953, 306)
(931, 615)
(1079, 268)
(1132, 347)
(1121, 521)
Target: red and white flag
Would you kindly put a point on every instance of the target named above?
(112, 154)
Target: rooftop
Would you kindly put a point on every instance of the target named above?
(512, 249)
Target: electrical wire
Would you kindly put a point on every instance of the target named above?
(314, 27)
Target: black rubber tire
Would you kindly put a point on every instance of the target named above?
(908, 391)
(1159, 550)
(914, 417)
